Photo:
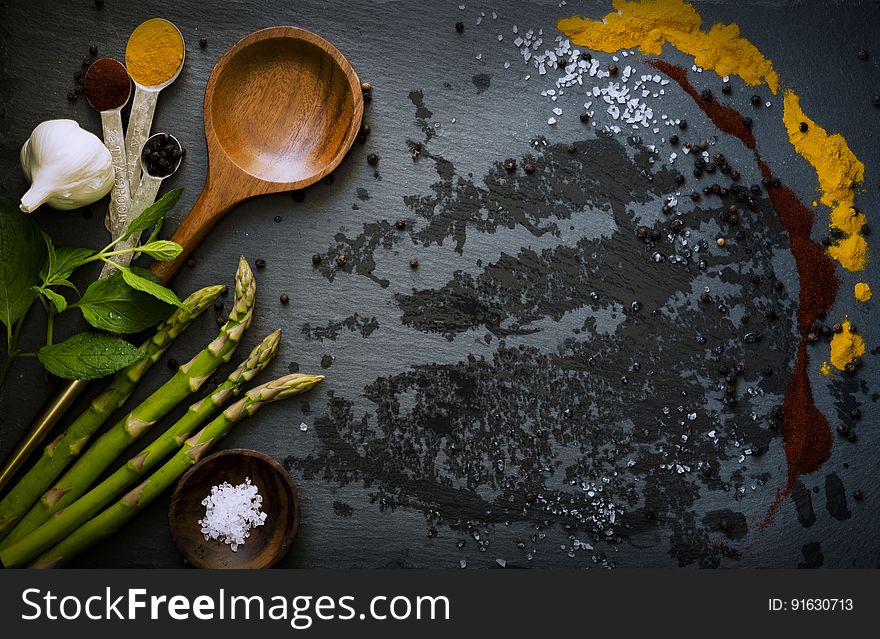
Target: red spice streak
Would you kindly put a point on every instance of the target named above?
(805, 430)
(724, 117)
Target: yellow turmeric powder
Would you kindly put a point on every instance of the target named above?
(863, 291)
(154, 52)
(846, 346)
(826, 370)
(651, 23)
(838, 170)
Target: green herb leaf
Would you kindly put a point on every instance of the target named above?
(66, 283)
(114, 306)
(88, 356)
(22, 256)
(153, 214)
(57, 300)
(67, 260)
(51, 258)
(154, 234)
(162, 250)
(150, 286)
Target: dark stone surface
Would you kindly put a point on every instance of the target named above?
(539, 389)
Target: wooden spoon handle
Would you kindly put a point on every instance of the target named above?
(208, 209)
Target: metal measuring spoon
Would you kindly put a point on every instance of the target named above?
(144, 196)
(143, 107)
(96, 83)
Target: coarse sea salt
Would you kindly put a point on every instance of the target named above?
(231, 512)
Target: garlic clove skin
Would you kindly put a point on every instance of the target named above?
(67, 166)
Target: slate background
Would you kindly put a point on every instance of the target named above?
(360, 518)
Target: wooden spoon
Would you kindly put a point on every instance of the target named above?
(282, 108)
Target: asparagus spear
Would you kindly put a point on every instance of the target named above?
(188, 379)
(68, 519)
(59, 453)
(195, 448)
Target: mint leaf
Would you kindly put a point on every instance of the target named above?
(153, 214)
(155, 289)
(114, 306)
(67, 260)
(57, 300)
(22, 256)
(88, 356)
(154, 234)
(161, 250)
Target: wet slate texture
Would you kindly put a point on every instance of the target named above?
(544, 388)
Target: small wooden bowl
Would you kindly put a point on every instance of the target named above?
(268, 543)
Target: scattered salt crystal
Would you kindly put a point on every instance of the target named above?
(303, 427)
(231, 512)
(551, 121)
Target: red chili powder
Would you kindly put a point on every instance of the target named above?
(806, 434)
(724, 117)
(107, 85)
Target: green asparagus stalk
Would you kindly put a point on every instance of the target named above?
(68, 519)
(187, 380)
(112, 519)
(59, 453)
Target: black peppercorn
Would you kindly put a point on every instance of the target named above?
(191, 263)
(858, 495)
(612, 68)
(876, 100)
(71, 95)
(284, 299)
(747, 121)
(683, 125)
(695, 196)
(756, 100)
(572, 148)
(340, 260)
(372, 159)
(706, 94)
(414, 263)
(529, 168)
(260, 263)
(862, 54)
(726, 89)
(218, 305)
(400, 224)
(316, 259)
(865, 229)
(812, 338)
(510, 166)
(459, 26)
(642, 232)
(172, 364)
(802, 127)
(855, 413)
(678, 179)
(585, 117)
(93, 49)
(277, 219)
(203, 42)
(673, 139)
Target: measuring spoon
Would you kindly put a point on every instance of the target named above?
(143, 107)
(105, 83)
(143, 197)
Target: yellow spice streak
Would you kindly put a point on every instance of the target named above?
(846, 346)
(863, 292)
(826, 370)
(838, 170)
(651, 23)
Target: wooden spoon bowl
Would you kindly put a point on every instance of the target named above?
(268, 543)
(282, 108)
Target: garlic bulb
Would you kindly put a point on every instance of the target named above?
(67, 167)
